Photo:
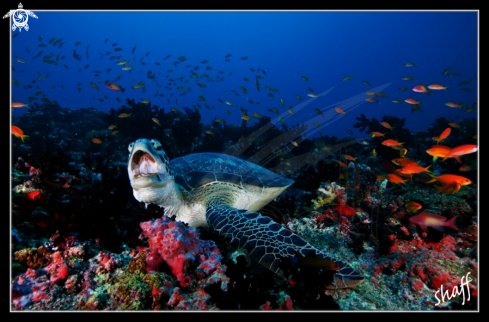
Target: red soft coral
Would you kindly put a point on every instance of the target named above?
(173, 243)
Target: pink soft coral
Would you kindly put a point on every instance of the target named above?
(178, 245)
(173, 243)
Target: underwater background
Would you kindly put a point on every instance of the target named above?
(337, 101)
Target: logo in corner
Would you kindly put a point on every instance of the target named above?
(20, 17)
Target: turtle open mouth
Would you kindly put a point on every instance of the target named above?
(143, 165)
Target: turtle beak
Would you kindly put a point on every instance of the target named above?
(143, 165)
(145, 170)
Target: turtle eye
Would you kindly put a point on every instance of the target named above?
(156, 145)
(130, 147)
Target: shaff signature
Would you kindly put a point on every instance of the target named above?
(455, 291)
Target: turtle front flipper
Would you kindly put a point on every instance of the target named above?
(269, 243)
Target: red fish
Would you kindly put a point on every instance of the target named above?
(421, 89)
(443, 136)
(114, 87)
(428, 219)
(438, 87)
(339, 110)
(449, 179)
(413, 169)
(395, 179)
(403, 162)
(391, 143)
(439, 151)
(18, 133)
(461, 150)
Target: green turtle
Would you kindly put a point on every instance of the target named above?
(224, 192)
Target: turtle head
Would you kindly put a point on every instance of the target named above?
(149, 171)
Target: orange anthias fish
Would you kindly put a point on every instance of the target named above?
(348, 157)
(421, 89)
(443, 136)
(387, 125)
(17, 104)
(403, 162)
(377, 134)
(156, 121)
(413, 206)
(411, 101)
(96, 141)
(439, 151)
(371, 100)
(428, 219)
(461, 150)
(18, 133)
(438, 87)
(111, 127)
(246, 117)
(114, 87)
(339, 110)
(395, 179)
(342, 164)
(454, 105)
(124, 115)
(370, 93)
(257, 115)
(399, 172)
(448, 188)
(454, 125)
(413, 169)
(392, 143)
(449, 179)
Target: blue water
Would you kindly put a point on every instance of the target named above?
(323, 46)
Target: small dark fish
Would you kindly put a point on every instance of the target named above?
(446, 71)
(244, 58)
(146, 53)
(133, 50)
(114, 44)
(51, 40)
(65, 66)
(118, 49)
(228, 55)
(27, 50)
(40, 38)
(106, 40)
(166, 57)
(77, 43)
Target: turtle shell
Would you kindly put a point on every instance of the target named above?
(195, 170)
